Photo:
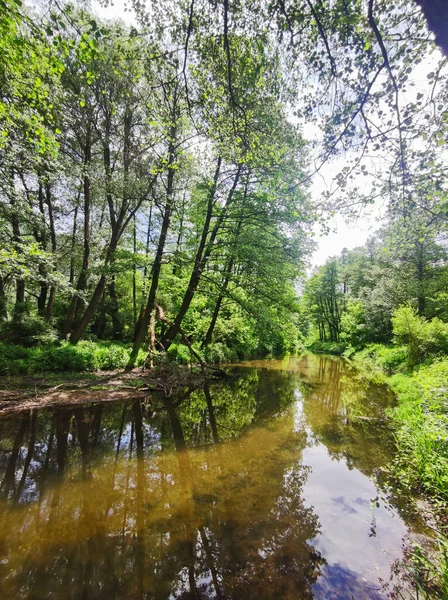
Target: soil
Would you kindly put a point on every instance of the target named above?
(25, 393)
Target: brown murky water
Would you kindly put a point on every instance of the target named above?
(259, 487)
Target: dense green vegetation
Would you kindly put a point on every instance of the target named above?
(384, 307)
(351, 299)
(126, 188)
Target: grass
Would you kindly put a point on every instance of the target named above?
(335, 348)
(421, 419)
(425, 577)
(64, 357)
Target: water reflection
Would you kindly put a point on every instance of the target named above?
(255, 488)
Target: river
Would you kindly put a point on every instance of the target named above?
(266, 485)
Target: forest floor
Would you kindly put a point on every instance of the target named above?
(24, 393)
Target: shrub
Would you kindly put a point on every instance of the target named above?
(353, 324)
(12, 358)
(85, 356)
(391, 358)
(30, 331)
(219, 353)
(67, 358)
(179, 353)
(319, 347)
(111, 356)
(422, 338)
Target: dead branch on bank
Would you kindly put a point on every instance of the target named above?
(193, 352)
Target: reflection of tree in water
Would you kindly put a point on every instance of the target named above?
(106, 517)
(252, 397)
(347, 415)
(251, 530)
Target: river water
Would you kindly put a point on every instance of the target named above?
(263, 486)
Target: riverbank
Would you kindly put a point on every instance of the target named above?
(25, 392)
(63, 357)
(420, 416)
(420, 466)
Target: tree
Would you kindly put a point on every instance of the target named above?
(325, 300)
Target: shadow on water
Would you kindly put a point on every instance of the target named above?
(258, 487)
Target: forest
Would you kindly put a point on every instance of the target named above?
(130, 183)
(156, 177)
(158, 202)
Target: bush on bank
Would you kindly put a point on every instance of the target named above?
(64, 357)
(421, 419)
(416, 369)
(319, 347)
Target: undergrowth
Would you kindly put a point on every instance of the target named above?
(415, 367)
(64, 357)
(421, 419)
(320, 347)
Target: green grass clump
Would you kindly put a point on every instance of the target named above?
(426, 572)
(377, 361)
(64, 357)
(180, 353)
(421, 419)
(336, 348)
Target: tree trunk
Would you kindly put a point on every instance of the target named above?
(19, 306)
(176, 266)
(82, 279)
(211, 327)
(48, 199)
(87, 316)
(3, 305)
(117, 325)
(142, 327)
(99, 325)
(436, 14)
(134, 276)
(145, 270)
(203, 253)
(41, 238)
(73, 244)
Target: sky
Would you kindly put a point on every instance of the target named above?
(343, 233)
